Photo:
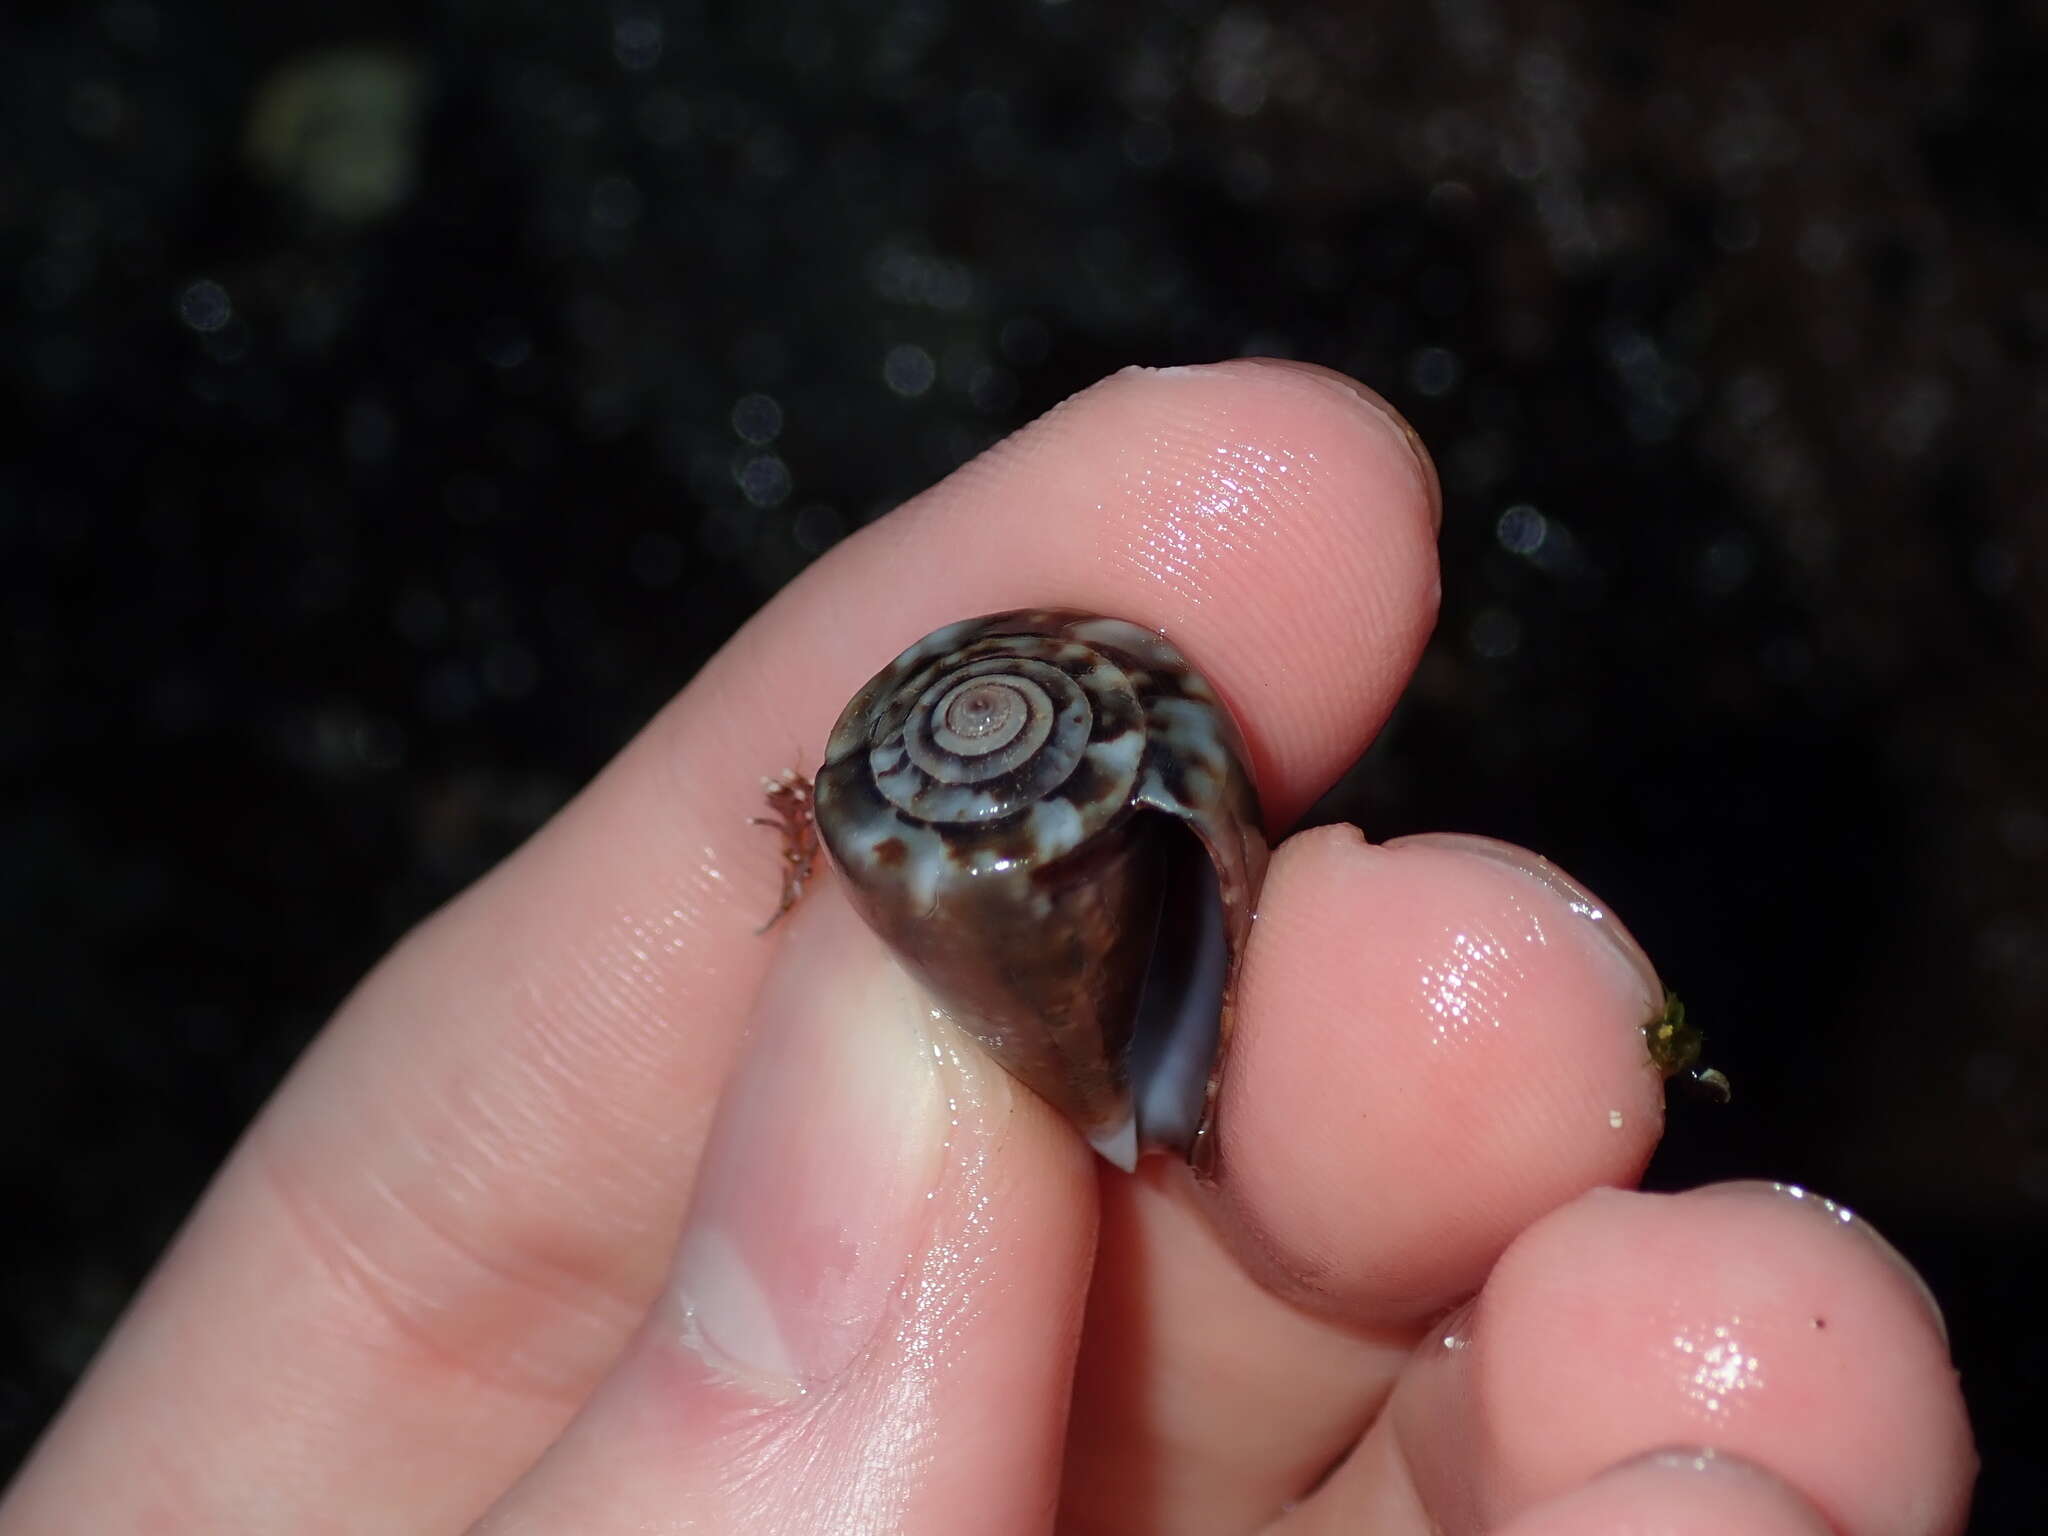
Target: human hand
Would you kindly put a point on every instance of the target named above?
(439, 1284)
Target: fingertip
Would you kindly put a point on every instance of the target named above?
(1432, 1052)
(1832, 1216)
(1626, 1321)
(1278, 527)
(1594, 918)
(1377, 404)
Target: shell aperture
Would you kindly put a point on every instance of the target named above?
(1047, 816)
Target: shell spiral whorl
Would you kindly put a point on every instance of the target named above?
(982, 796)
(989, 731)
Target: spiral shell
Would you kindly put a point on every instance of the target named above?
(1048, 816)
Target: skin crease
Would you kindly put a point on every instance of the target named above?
(439, 1281)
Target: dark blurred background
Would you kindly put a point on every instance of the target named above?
(401, 402)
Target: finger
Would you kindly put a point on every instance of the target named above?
(1437, 1044)
(872, 1321)
(439, 1234)
(1676, 1493)
(1758, 1321)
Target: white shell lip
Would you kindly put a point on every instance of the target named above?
(1119, 1143)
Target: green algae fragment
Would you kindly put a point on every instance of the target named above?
(1675, 1050)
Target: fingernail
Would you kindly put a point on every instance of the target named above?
(1425, 466)
(1582, 903)
(1699, 1460)
(1835, 1215)
(1681, 1488)
(813, 1198)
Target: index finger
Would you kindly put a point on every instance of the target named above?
(443, 1228)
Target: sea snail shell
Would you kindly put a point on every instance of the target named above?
(1048, 817)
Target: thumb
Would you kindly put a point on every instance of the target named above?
(876, 1301)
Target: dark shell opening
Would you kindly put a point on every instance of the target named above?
(1179, 1020)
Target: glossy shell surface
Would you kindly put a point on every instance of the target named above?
(1048, 816)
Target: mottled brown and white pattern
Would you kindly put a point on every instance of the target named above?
(1049, 817)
